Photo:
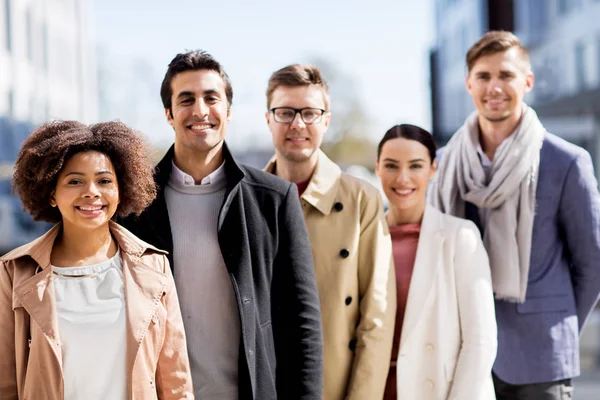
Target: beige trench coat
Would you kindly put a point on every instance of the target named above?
(30, 352)
(352, 253)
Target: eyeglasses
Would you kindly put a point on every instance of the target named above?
(286, 115)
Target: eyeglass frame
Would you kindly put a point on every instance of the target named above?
(299, 111)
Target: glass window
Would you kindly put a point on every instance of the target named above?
(567, 6)
(7, 13)
(11, 103)
(580, 66)
(29, 35)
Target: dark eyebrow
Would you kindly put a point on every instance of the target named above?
(82, 174)
(390, 160)
(416, 160)
(189, 93)
(482, 73)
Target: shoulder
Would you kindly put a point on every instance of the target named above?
(556, 149)
(357, 187)
(258, 180)
(463, 231)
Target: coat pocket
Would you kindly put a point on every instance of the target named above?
(450, 368)
(535, 305)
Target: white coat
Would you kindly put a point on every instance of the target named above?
(449, 339)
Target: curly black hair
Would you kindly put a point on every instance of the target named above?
(45, 152)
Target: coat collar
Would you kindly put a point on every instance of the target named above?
(40, 249)
(162, 171)
(324, 183)
(429, 250)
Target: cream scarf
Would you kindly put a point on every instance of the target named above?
(509, 196)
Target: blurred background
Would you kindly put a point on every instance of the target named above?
(387, 62)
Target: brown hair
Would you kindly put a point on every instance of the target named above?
(410, 132)
(297, 75)
(495, 42)
(44, 154)
(194, 60)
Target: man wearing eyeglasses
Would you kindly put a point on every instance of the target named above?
(350, 242)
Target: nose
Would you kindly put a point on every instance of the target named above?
(91, 191)
(402, 175)
(495, 85)
(297, 122)
(201, 109)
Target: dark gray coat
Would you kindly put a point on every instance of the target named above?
(265, 246)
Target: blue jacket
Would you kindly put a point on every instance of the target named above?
(538, 340)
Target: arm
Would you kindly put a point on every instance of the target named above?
(476, 314)
(173, 376)
(297, 319)
(579, 215)
(377, 289)
(8, 362)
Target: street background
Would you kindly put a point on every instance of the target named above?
(387, 62)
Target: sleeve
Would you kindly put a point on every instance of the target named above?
(377, 290)
(580, 218)
(296, 316)
(476, 314)
(8, 362)
(173, 375)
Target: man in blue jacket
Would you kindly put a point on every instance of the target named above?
(535, 199)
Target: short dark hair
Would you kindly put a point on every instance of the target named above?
(192, 61)
(297, 75)
(45, 152)
(410, 132)
(495, 42)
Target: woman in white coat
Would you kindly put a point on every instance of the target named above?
(445, 338)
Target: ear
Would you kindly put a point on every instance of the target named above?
(52, 200)
(468, 83)
(169, 117)
(229, 114)
(434, 166)
(529, 81)
(327, 119)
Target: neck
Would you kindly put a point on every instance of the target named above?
(296, 171)
(493, 133)
(76, 246)
(396, 216)
(198, 165)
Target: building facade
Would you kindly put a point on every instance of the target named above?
(47, 71)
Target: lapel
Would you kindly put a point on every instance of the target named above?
(144, 287)
(36, 293)
(429, 250)
(157, 214)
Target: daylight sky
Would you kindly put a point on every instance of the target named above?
(382, 45)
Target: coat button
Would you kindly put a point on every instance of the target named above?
(429, 348)
(338, 206)
(430, 384)
(344, 253)
(348, 300)
(352, 345)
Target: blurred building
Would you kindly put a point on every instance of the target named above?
(563, 39)
(47, 71)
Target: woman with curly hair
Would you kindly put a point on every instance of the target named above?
(88, 310)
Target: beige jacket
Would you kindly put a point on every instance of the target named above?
(30, 353)
(448, 341)
(352, 254)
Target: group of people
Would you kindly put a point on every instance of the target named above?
(203, 278)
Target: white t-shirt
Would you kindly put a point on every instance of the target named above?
(90, 304)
